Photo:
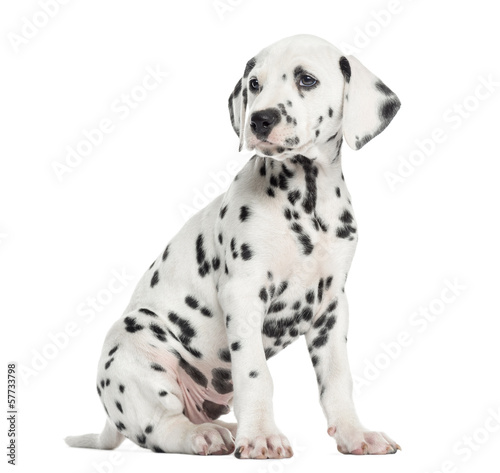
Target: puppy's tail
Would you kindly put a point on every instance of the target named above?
(108, 439)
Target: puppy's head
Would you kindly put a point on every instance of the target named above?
(301, 92)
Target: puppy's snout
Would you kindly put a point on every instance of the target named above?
(264, 121)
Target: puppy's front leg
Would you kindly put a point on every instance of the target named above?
(257, 434)
(326, 341)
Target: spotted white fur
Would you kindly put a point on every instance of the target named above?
(258, 267)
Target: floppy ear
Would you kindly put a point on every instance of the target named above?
(369, 105)
(238, 103)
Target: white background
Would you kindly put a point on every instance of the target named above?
(61, 240)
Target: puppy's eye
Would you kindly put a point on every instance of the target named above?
(254, 84)
(307, 81)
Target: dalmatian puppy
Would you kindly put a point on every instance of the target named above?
(261, 265)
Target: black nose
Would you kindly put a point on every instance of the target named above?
(264, 121)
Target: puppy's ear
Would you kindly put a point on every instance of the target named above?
(369, 105)
(238, 103)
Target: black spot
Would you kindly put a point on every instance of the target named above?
(330, 112)
(120, 426)
(162, 393)
(346, 217)
(320, 321)
(148, 312)
(269, 275)
(108, 363)
(194, 373)
(213, 410)
(282, 288)
(272, 290)
(276, 306)
(141, 439)
(131, 325)
(337, 191)
(225, 269)
(293, 196)
(157, 367)
(345, 67)
(332, 306)
(222, 212)
(191, 302)
(320, 340)
(108, 382)
(314, 360)
(98, 390)
(328, 282)
(113, 351)
(215, 263)
(297, 71)
(332, 137)
(306, 314)
(204, 266)
(307, 245)
(102, 383)
(244, 213)
(270, 192)
(228, 319)
(220, 238)
(345, 232)
(283, 76)
(158, 332)
(310, 297)
(121, 388)
(269, 352)
(206, 312)
(320, 289)
(237, 89)
(222, 381)
(246, 252)
(274, 181)
(288, 214)
(155, 279)
(225, 355)
(381, 87)
(119, 406)
(148, 429)
(186, 328)
(388, 109)
(311, 172)
(235, 346)
(263, 170)
(157, 449)
(317, 133)
(165, 253)
(248, 68)
(296, 305)
(253, 374)
(282, 181)
(263, 294)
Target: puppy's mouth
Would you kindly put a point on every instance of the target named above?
(282, 148)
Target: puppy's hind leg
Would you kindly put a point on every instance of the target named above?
(108, 439)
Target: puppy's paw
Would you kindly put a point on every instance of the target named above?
(357, 441)
(262, 446)
(211, 439)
